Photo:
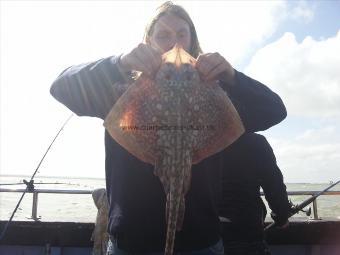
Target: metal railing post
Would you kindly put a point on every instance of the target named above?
(315, 210)
(35, 206)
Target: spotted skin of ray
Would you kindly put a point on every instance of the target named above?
(173, 121)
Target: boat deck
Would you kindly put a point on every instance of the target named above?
(320, 237)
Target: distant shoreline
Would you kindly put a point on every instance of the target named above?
(51, 176)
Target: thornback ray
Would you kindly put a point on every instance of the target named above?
(172, 121)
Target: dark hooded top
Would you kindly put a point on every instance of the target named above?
(136, 196)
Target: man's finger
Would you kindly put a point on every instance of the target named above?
(155, 58)
(143, 61)
(220, 68)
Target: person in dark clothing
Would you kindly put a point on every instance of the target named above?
(246, 166)
(136, 197)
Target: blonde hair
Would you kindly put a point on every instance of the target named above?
(178, 11)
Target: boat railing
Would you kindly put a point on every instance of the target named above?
(36, 193)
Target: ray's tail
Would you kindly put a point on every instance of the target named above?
(175, 208)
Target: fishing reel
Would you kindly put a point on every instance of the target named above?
(295, 208)
(29, 185)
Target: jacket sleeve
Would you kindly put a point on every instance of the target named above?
(89, 89)
(258, 106)
(271, 181)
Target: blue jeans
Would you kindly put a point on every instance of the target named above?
(246, 248)
(216, 249)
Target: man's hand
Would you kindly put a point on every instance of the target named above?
(213, 66)
(142, 58)
(280, 222)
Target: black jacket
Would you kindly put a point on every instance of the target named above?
(245, 166)
(136, 196)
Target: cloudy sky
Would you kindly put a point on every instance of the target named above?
(293, 47)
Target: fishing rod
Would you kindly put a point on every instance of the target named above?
(296, 208)
(29, 184)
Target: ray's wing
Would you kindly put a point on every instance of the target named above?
(130, 120)
(216, 120)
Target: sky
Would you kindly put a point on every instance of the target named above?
(291, 46)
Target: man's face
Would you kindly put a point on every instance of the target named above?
(170, 30)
